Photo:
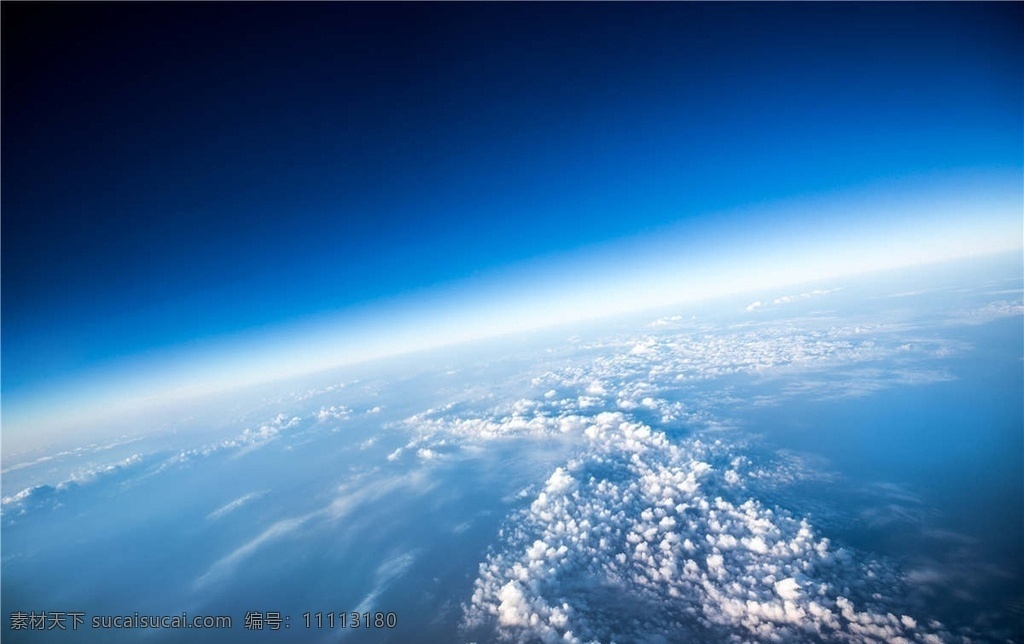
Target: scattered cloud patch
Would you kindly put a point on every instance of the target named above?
(666, 321)
(991, 312)
(38, 496)
(334, 412)
(788, 299)
(654, 529)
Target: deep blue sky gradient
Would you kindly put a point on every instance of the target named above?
(173, 172)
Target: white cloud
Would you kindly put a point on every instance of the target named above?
(678, 529)
(48, 495)
(358, 492)
(788, 299)
(651, 527)
(788, 589)
(231, 506)
(990, 312)
(333, 412)
(227, 564)
(657, 520)
(387, 573)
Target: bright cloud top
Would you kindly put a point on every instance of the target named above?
(638, 536)
(677, 546)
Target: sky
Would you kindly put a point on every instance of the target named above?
(195, 194)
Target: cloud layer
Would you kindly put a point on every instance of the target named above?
(643, 539)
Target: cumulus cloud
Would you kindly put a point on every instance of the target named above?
(47, 495)
(249, 439)
(677, 535)
(642, 536)
(435, 428)
(333, 412)
(138, 465)
(266, 431)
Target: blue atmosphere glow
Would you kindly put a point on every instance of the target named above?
(198, 197)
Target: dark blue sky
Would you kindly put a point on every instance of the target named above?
(173, 172)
